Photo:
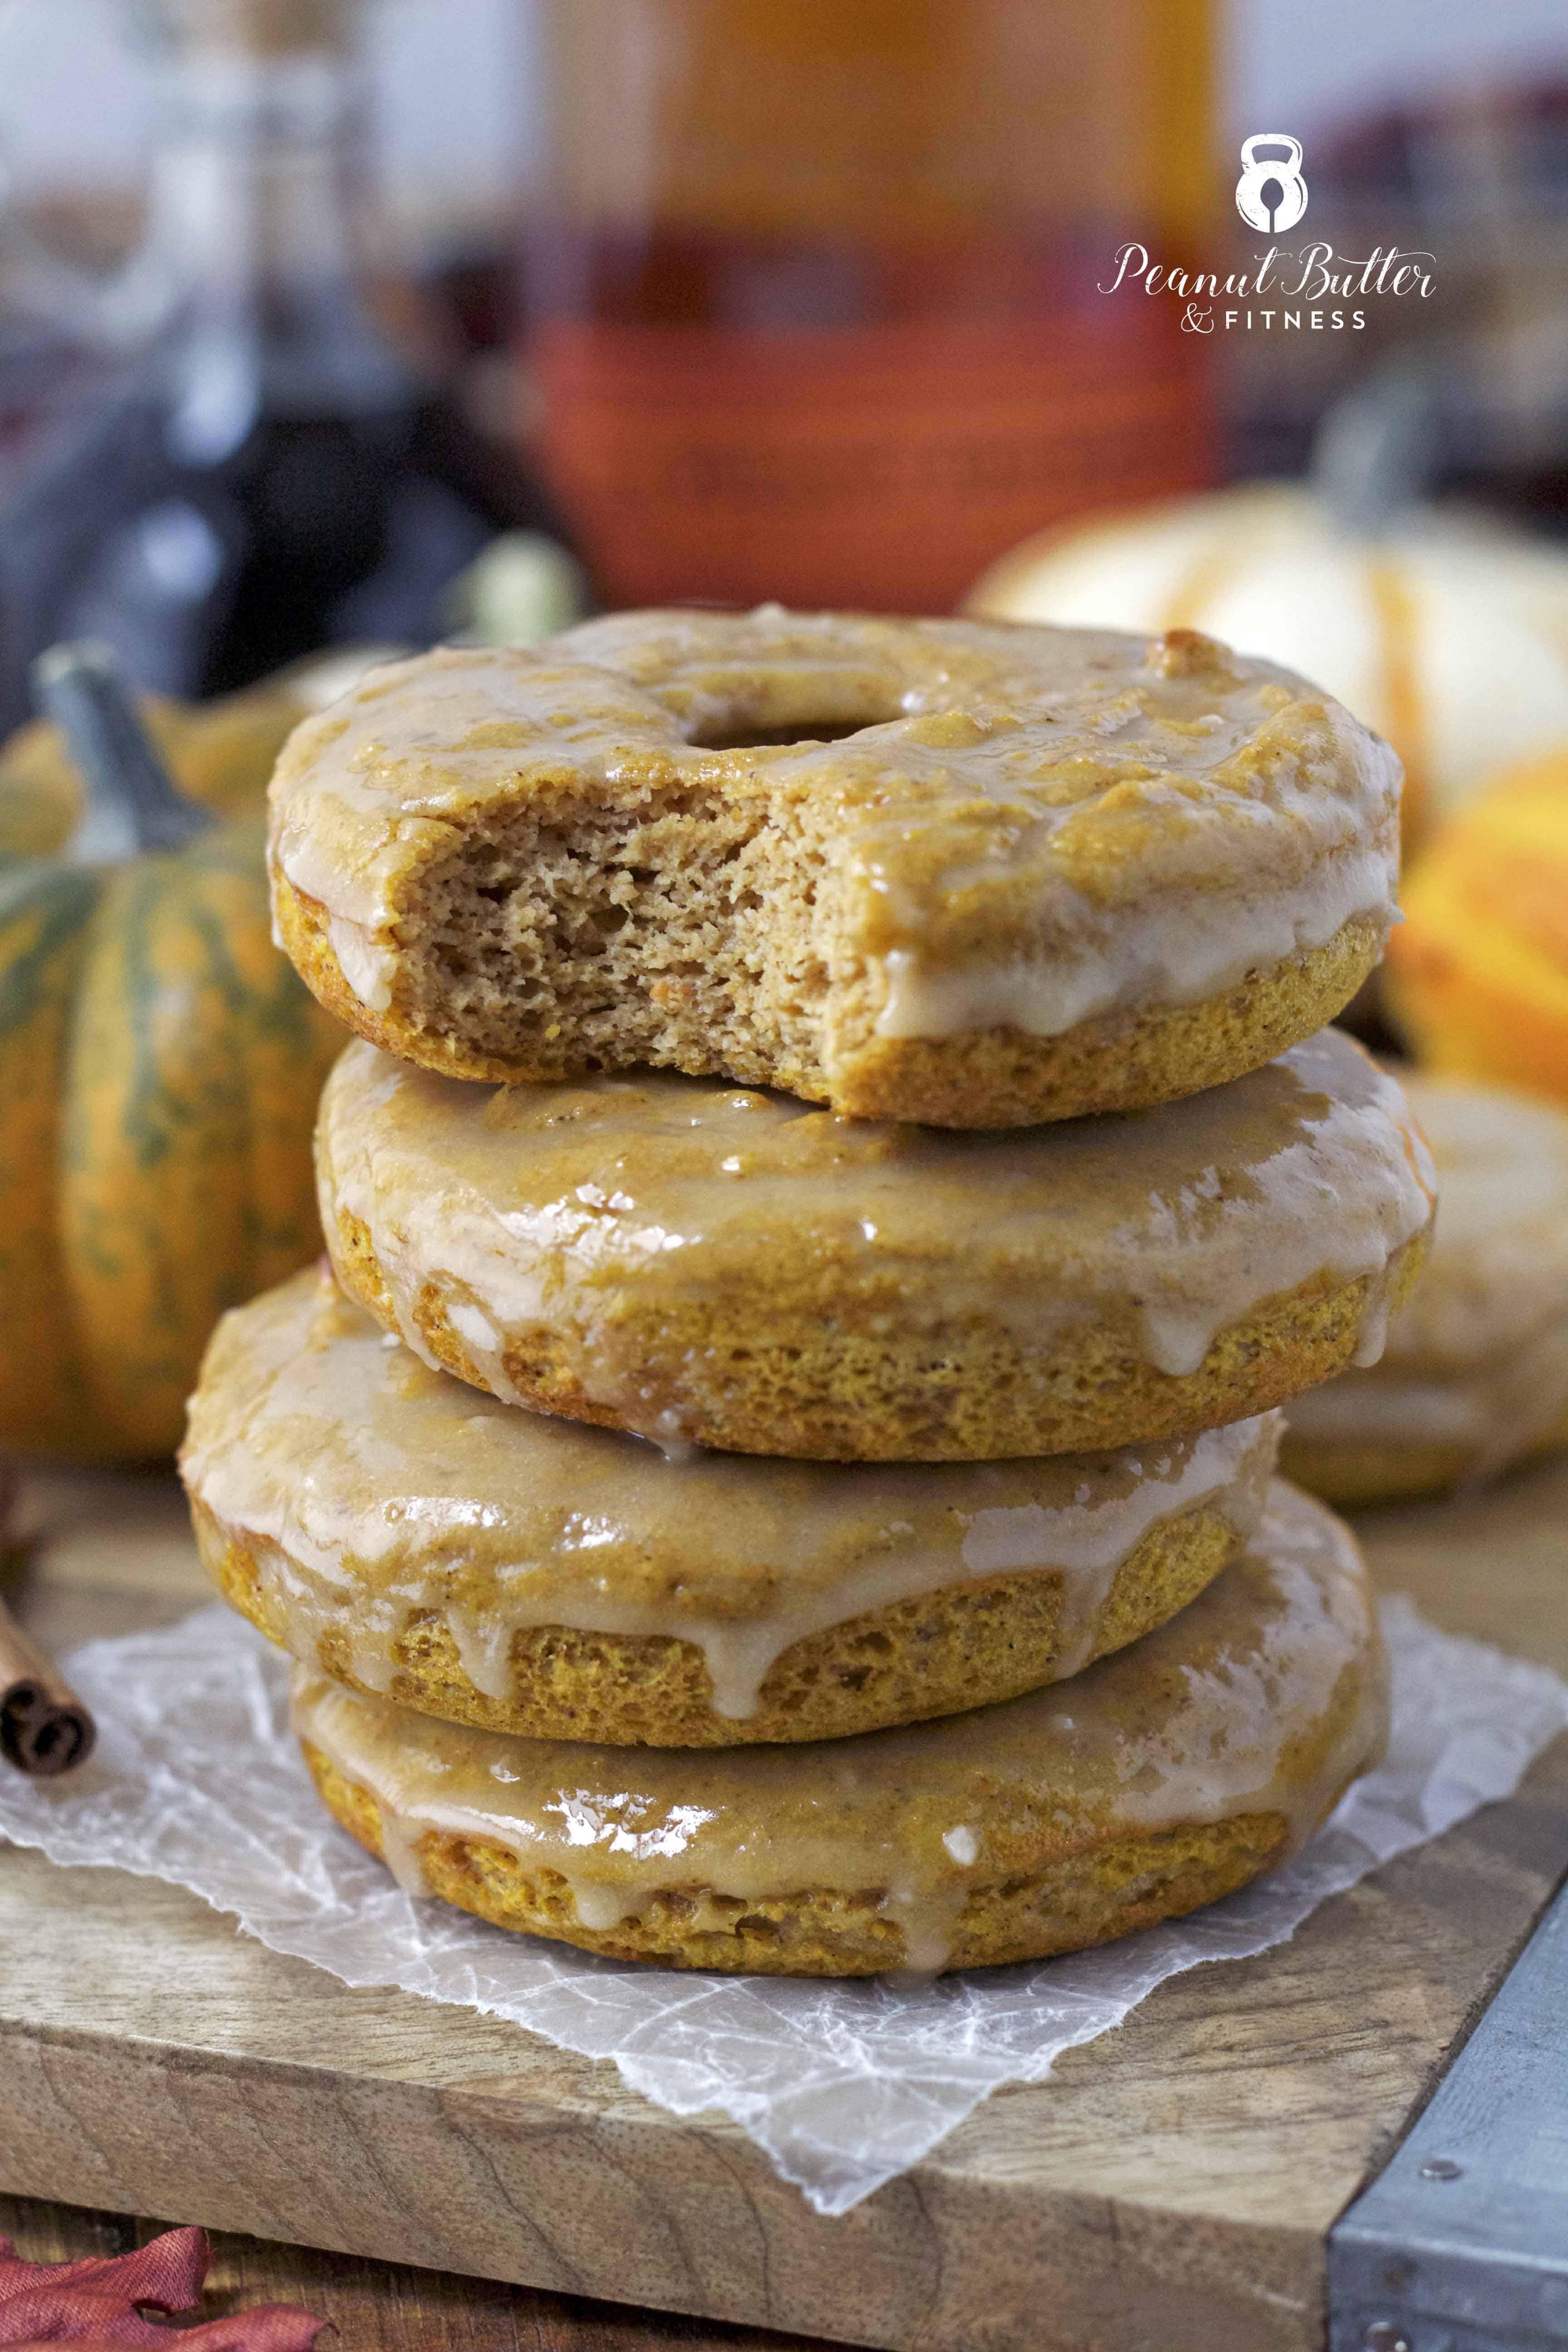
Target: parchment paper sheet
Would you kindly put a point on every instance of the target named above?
(197, 1781)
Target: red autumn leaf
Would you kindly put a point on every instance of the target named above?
(98, 2305)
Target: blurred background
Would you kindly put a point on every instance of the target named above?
(752, 298)
(331, 327)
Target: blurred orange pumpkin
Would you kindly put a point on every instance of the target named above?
(1476, 976)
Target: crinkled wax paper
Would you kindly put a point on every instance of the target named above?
(197, 1781)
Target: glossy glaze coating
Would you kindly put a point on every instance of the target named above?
(588, 1211)
(382, 1490)
(1031, 826)
(1477, 1360)
(1263, 1698)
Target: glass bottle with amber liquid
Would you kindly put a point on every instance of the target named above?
(273, 469)
(814, 303)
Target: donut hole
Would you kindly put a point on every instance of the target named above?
(768, 710)
(721, 738)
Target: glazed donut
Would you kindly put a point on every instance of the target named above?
(1475, 1374)
(706, 1265)
(965, 873)
(389, 1527)
(1161, 1778)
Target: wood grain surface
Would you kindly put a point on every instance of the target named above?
(1169, 2188)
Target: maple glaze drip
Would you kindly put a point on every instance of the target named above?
(376, 1489)
(556, 1206)
(1264, 1696)
(1478, 1357)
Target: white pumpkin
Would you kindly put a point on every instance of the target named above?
(1447, 633)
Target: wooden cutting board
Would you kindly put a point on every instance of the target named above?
(1169, 2191)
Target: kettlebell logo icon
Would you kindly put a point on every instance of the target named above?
(1270, 193)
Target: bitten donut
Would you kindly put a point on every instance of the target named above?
(701, 1263)
(1162, 1777)
(388, 1526)
(965, 873)
(1475, 1375)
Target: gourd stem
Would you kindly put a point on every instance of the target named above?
(134, 802)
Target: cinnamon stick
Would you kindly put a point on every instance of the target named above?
(44, 1727)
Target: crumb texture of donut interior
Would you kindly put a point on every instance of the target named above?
(888, 865)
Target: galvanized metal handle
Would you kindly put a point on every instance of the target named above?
(1461, 2243)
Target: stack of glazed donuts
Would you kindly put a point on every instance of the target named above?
(841, 1165)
